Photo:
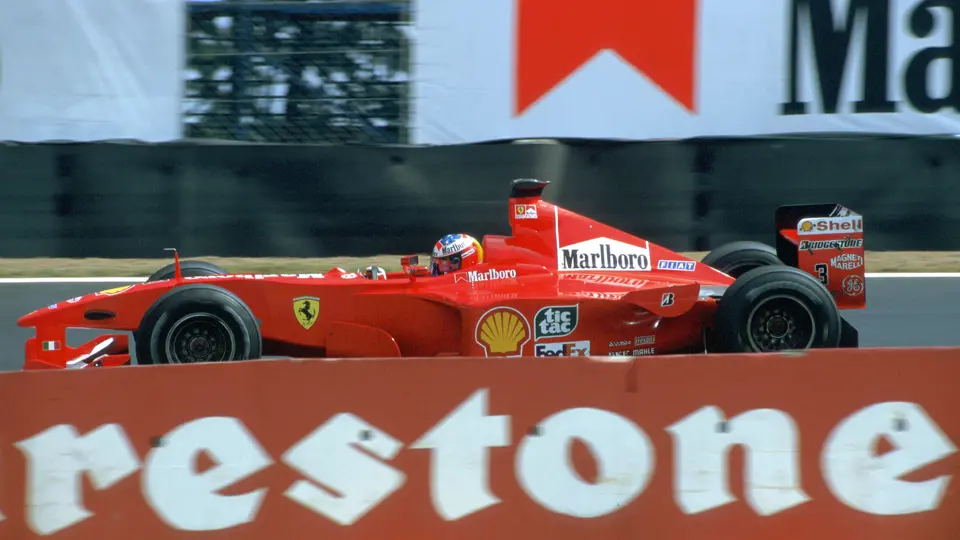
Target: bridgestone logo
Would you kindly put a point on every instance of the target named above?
(817, 245)
(491, 275)
(605, 254)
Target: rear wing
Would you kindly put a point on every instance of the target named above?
(826, 241)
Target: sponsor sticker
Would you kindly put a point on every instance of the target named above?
(74, 300)
(834, 225)
(525, 211)
(604, 254)
(678, 266)
(666, 300)
(644, 340)
(570, 348)
(52, 306)
(474, 276)
(621, 343)
(820, 245)
(113, 291)
(852, 285)
(502, 331)
(555, 321)
(847, 261)
(635, 352)
(305, 309)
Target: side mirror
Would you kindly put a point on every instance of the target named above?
(410, 260)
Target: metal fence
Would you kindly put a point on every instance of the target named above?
(333, 71)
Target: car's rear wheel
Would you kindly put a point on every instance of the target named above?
(775, 308)
(197, 324)
(738, 258)
(187, 269)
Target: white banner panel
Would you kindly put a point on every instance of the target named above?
(653, 69)
(84, 70)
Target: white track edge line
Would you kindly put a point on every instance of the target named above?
(31, 280)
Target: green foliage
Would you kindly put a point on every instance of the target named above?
(297, 72)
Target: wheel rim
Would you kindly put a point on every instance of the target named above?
(199, 338)
(780, 323)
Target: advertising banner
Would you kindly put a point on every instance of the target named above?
(654, 69)
(85, 70)
(830, 445)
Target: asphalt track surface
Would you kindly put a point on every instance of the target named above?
(901, 312)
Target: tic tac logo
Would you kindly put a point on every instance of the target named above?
(555, 321)
(525, 211)
(836, 225)
(502, 331)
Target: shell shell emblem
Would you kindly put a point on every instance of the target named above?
(114, 291)
(503, 331)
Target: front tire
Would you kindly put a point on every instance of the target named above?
(187, 269)
(776, 308)
(197, 324)
(738, 258)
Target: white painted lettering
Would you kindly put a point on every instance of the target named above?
(624, 455)
(189, 501)
(870, 483)
(328, 457)
(57, 457)
(702, 442)
(460, 461)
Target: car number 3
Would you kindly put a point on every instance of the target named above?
(822, 274)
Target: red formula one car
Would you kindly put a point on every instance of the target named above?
(561, 284)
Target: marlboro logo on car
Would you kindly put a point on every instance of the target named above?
(605, 254)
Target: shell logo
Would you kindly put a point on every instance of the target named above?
(503, 331)
(113, 291)
(806, 226)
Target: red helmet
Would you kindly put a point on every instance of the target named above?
(454, 252)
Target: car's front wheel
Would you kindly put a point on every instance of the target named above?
(197, 324)
(187, 269)
(775, 308)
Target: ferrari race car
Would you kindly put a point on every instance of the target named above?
(562, 284)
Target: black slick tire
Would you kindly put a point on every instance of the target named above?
(187, 269)
(738, 258)
(220, 319)
(775, 297)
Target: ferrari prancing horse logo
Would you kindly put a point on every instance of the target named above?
(306, 309)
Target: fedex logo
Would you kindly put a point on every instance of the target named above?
(570, 348)
(835, 225)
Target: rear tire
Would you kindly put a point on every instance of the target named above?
(187, 269)
(197, 324)
(738, 258)
(776, 308)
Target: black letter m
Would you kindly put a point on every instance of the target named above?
(831, 50)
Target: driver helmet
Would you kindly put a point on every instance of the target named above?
(455, 252)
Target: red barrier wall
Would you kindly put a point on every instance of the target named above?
(828, 445)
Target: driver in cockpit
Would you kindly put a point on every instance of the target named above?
(451, 253)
